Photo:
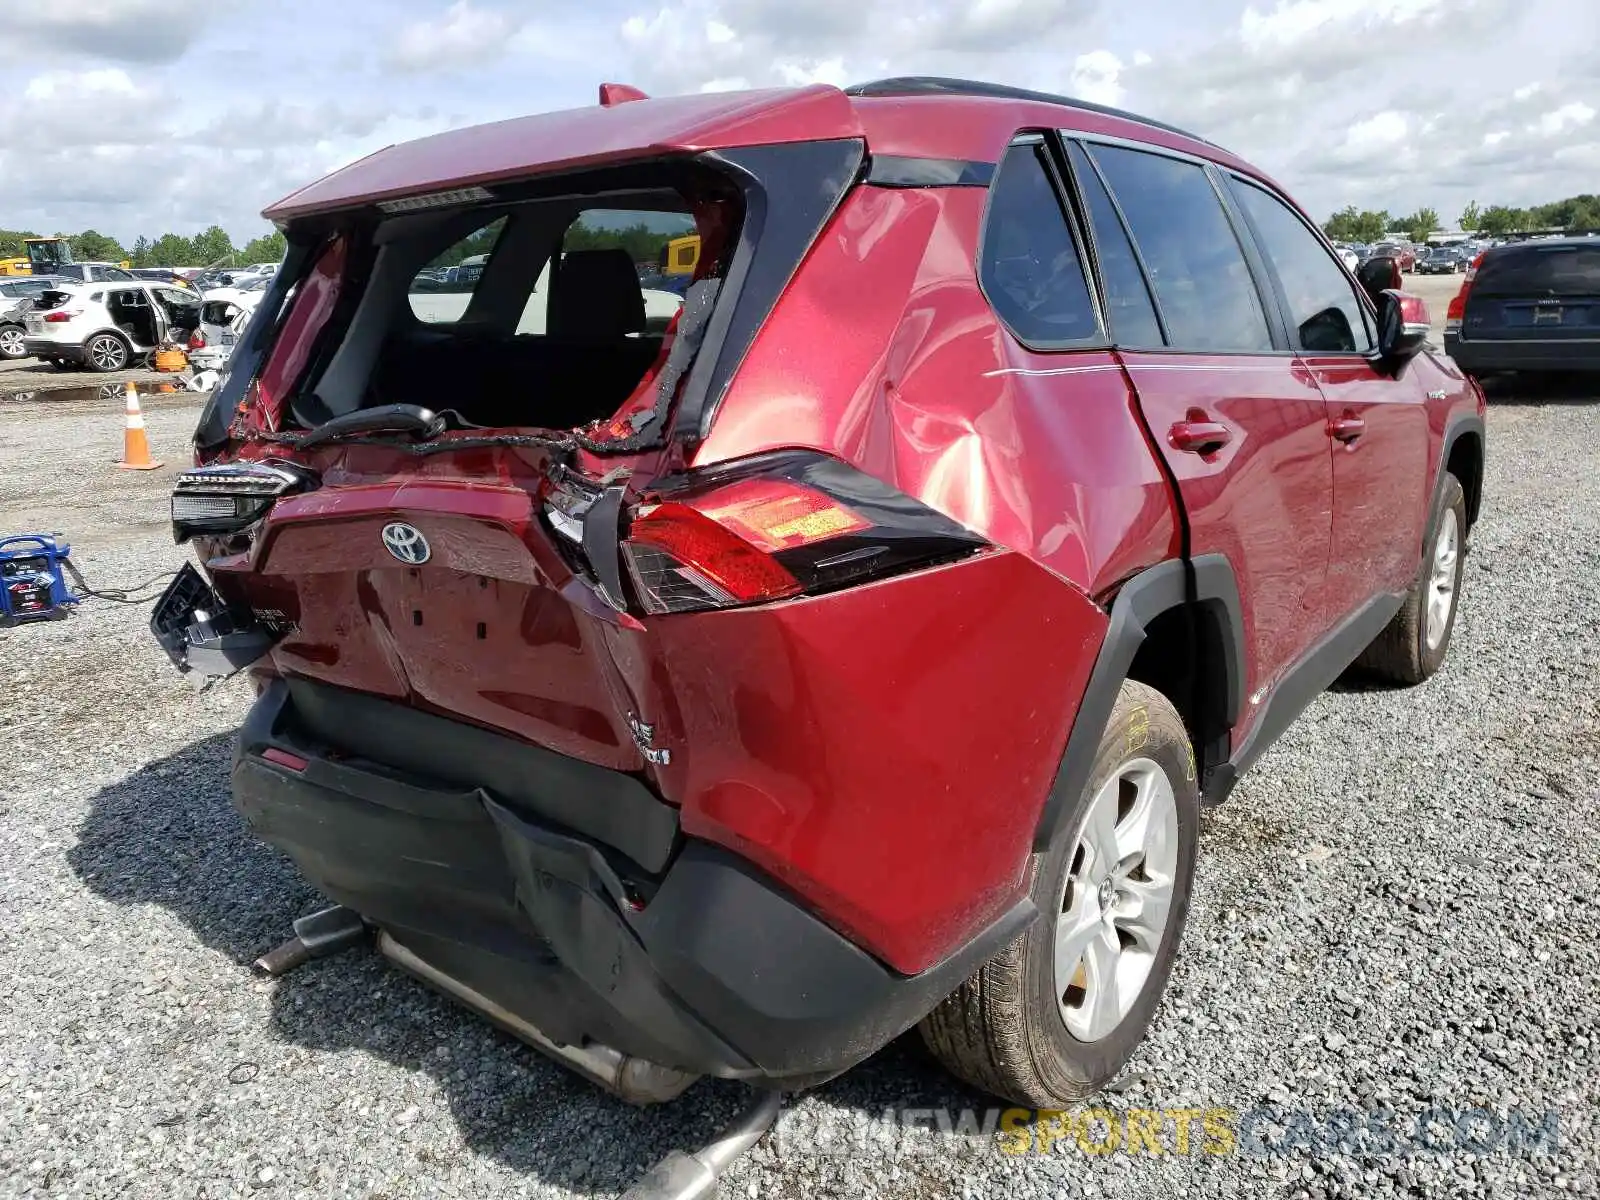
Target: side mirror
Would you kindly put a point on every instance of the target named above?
(1379, 275)
(1403, 328)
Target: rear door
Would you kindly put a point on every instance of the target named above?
(1537, 292)
(1239, 422)
(1378, 424)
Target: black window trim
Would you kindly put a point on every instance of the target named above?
(1099, 340)
(1127, 232)
(1282, 346)
(1232, 178)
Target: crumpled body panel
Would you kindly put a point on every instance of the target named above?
(885, 352)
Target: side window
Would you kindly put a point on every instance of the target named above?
(441, 291)
(1323, 307)
(1128, 305)
(1029, 266)
(1202, 282)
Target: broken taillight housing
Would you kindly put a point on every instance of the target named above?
(228, 498)
(778, 526)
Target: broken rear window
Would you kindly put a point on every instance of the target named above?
(528, 313)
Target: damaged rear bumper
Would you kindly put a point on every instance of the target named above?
(565, 895)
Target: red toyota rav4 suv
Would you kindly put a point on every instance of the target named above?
(725, 683)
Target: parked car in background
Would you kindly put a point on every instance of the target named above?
(1347, 255)
(1441, 260)
(1401, 252)
(1528, 306)
(222, 320)
(714, 700)
(108, 328)
(17, 294)
(92, 272)
(161, 275)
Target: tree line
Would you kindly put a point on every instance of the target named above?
(1574, 214)
(169, 250)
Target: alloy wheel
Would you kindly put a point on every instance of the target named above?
(11, 343)
(1442, 578)
(108, 353)
(1117, 900)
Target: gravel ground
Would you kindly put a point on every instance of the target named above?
(1394, 911)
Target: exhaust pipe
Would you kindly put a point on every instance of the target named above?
(322, 933)
(635, 1080)
(681, 1176)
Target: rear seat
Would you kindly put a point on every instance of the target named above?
(580, 370)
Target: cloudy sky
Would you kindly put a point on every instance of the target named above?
(141, 116)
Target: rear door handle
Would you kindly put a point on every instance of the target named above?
(1346, 428)
(1200, 437)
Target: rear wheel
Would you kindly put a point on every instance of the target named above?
(106, 352)
(1053, 1017)
(11, 342)
(1413, 645)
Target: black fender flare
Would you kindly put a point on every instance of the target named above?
(1455, 428)
(1205, 581)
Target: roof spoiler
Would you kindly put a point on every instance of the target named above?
(619, 93)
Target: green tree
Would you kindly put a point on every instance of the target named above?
(211, 246)
(11, 242)
(170, 250)
(1419, 224)
(269, 247)
(1341, 227)
(1471, 217)
(1349, 225)
(90, 246)
(140, 254)
(1498, 220)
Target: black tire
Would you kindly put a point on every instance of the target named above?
(1004, 1030)
(1403, 652)
(107, 352)
(11, 342)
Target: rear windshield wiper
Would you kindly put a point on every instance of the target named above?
(387, 418)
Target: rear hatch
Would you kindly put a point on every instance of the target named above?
(460, 447)
(1535, 292)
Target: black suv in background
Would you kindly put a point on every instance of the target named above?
(1529, 306)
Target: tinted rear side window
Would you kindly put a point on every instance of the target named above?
(1030, 268)
(1202, 282)
(1540, 271)
(1128, 305)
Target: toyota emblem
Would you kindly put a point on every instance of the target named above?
(406, 543)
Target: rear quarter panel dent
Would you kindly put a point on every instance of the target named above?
(885, 353)
(884, 751)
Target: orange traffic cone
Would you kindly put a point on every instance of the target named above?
(135, 445)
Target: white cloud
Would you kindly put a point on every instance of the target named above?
(131, 117)
(462, 36)
(1568, 116)
(1294, 22)
(1095, 77)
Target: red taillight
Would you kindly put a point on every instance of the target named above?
(1456, 313)
(197, 340)
(59, 317)
(779, 514)
(682, 559)
(778, 526)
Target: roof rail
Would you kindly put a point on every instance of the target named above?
(935, 85)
